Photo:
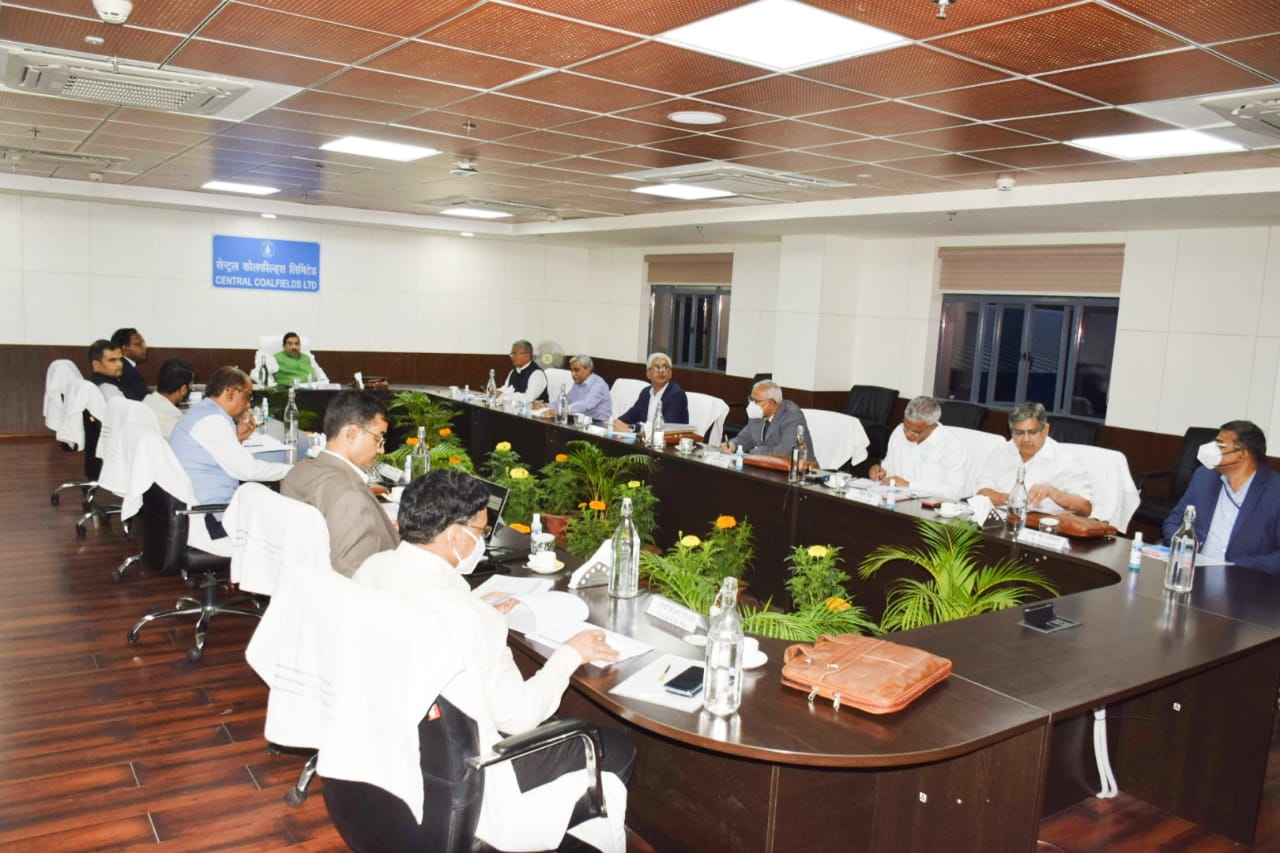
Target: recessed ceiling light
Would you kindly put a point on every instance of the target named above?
(474, 213)
(468, 233)
(1159, 143)
(230, 187)
(376, 148)
(780, 34)
(686, 192)
(268, 216)
(695, 117)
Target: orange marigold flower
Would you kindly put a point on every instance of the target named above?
(445, 432)
(726, 522)
(562, 457)
(598, 506)
(835, 604)
(412, 441)
(520, 528)
(455, 460)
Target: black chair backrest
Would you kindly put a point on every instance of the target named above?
(871, 404)
(165, 534)
(92, 432)
(958, 413)
(1187, 464)
(1073, 430)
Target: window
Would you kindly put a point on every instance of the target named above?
(1002, 350)
(691, 324)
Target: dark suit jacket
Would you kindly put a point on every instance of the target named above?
(781, 436)
(132, 383)
(358, 527)
(675, 406)
(1255, 538)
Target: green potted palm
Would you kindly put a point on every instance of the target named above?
(956, 586)
(414, 410)
(818, 598)
(571, 481)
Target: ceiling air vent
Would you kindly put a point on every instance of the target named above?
(732, 178)
(1257, 110)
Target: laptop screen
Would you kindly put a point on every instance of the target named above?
(493, 511)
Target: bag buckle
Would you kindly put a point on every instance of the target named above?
(835, 701)
(812, 693)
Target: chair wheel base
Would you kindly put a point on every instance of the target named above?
(117, 575)
(55, 499)
(295, 797)
(194, 655)
(133, 638)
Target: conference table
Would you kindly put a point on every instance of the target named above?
(1188, 684)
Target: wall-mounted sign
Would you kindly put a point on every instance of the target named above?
(255, 263)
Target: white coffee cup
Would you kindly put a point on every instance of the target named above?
(540, 543)
(750, 648)
(397, 492)
(685, 445)
(543, 559)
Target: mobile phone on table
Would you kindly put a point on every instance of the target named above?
(687, 682)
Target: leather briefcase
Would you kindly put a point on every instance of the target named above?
(875, 676)
(1075, 526)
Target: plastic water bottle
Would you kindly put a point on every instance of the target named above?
(737, 457)
(562, 407)
(291, 418)
(624, 577)
(420, 458)
(658, 432)
(1135, 553)
(722, 673)
(1183, 547)
(535, 526)
(1017, 516)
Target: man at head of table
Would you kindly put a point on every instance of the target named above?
(589, 394)
(1055, 479)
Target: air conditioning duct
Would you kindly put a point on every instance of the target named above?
(732, 178)
(1257, 110)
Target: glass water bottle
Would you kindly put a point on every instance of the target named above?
(722, 673)
(799, 456)
(291, 419)
(624, 577)
(491, 389)
(658, 432)
(1016, 519)
(1183, 547)
(420, 458)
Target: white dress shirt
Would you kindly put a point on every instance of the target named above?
(934, 467)
(537, 384)
(167, 414)
(1053, 465)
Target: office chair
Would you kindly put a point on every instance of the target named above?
(707, 414)
(1154, 509)
(873, 406)
(835, 438)
(78, 430)
(958, 413)
(1066, 430)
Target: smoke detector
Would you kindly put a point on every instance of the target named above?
(464, 169)
(113, 11)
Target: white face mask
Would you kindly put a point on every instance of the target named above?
(1209, 455)
(467, 565)
(754, 410)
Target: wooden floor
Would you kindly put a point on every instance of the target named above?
(104, 746)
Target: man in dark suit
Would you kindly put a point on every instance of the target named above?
(355, 425)
(1237, 500)
(134, 349)
(675, 404)
(772, 423)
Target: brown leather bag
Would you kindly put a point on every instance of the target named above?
(876, 676)
(1074, 526)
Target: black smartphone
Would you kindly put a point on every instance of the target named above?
(685, 683)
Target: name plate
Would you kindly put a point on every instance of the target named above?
(863, 497)
(1047, 541)
(675, 614)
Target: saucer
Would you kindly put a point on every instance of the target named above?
(698, 640)
(759, 659)
(543, 570)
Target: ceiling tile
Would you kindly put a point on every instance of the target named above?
(713, 147)
(462, 125)
(1004, 100)
(385, 16)
(647, 158)
(942, 165)
(1065, 38)
(970, 137)
(790, 161)
(394, 89)
(668, 69)
(1209, 20)
(913, 19)
(1260, 54)
(326, 104)
(527, 36)
(1156, 78)
(786, 96)
(251, 26)
(234, 61)
(560, 143)
(1112, 171)
(322, 126)
(584, 93)
(1041, 156)
(885, 119)
(62, 33)
(874, 150)
(649, 18)
(515, 111)
(904, 71)
(1075, 125)
(789, 134)
(435, 62)
(620, 130)
(1221, 162)
(657, 114)
(484, 151)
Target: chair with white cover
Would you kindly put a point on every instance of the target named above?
(115, 449)
(337, 657)
(835, 438)
(1115, 495)
(624, 393)
(59, 379)
(978, 446)
(707, 414)
(83, 411)
(269, 345)
(558, 379)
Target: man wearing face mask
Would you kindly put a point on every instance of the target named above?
(1237, 500)
(442, 518)
(772, 422)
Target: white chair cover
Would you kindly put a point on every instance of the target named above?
(269, 345)
(1115, 496)
(557, 378)
(127, 421)
(59, 380)
(270, 534)
(707, 414)
(836, 438)
(979, 446)
(84, 395)
(154, 464)
(624, 393)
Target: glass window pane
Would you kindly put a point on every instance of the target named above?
(1095, 349)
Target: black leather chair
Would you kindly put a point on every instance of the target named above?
(1154, 509)
(958, 413)
(873, 406)
(92, 464)
(165, 549)
(1073, 430)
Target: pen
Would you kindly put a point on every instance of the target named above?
(662, 679)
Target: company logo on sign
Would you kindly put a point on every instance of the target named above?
(250, 263)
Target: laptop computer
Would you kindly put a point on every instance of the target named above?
(494, 555)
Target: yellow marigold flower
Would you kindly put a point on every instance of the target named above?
(455, 460)
(519, 473)
(817, 551)
(582, 505)
(633, 484)
(445, 432)
(412, 441)
(598, 506)
(690, 541)
(520, 528)
(502, 446)
(835, 604)
(726, 522)
(562, 457)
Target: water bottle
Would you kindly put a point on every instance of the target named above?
(624, 578)
(658, 431)
(799, 456)
(1016, 519)
(722, 674)
(737, 457)
(562, 407)
(1181, 570)
(266, 416)
(264, 375)
(420, 458)
(535, 526)
(291, 419)
(1135, 553)
(491, 389)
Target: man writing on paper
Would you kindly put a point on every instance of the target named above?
(675, 404)
(1055, 480)
(771, 424)
(1237, 500)
(589, 394)
(355, 424)
(923, 454)
(526, 381)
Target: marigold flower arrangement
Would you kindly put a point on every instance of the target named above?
(821, 604)
(505, 467)
(691, 570)
(410, 410)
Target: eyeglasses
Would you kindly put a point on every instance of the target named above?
(660, 368)
(478, 528)
(381, 436)
(1026, 433)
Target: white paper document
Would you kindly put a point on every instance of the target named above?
(556, 636)
(647, 684)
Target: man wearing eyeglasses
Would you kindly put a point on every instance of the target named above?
(1055, 480)
(923, 454)
(1237, 500)
(526, 381)
(355, 425)
(675, 404)
(771, 422)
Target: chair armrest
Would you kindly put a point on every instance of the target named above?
(548, 735)
(202, 509)
(1151, 475)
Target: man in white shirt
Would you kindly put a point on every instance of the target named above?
(172, 389)
(1055, 480)
(355, 424)
(924, 454)
(526, 381)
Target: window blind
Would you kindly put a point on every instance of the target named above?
(710, 268)
(1076, 269)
